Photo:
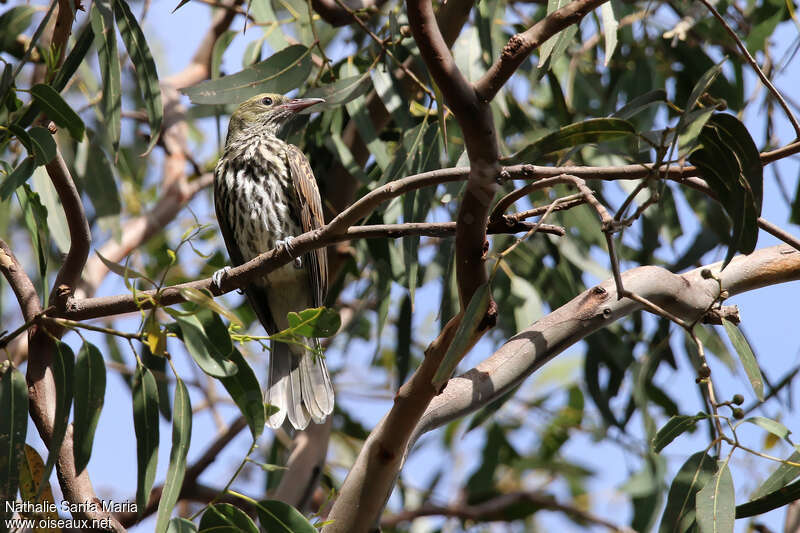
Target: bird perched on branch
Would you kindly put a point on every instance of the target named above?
(265, 194)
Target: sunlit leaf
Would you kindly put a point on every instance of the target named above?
(58, 110)
(747, 358)
(90, 389)
(716, 503)
(181, 437)
(102, 20)
(675, 426)
(690, 479)
(279, 517)
(224, 517)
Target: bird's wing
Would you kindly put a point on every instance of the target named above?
(257, 296)
(311, 218)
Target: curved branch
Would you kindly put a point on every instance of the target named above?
(79, 233)
(20, 283)
(687, 296)
(520, 46)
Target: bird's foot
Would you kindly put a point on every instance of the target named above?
(287, 242)
(216, 278)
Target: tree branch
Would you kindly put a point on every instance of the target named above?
(520, 46)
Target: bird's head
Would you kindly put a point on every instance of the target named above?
(266, 113)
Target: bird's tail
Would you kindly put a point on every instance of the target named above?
(299, 386)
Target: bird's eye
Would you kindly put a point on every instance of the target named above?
(266, 100)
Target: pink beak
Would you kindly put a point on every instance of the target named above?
(295, 105)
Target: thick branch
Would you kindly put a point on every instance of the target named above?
(520, 46)
(687, 296)
(20, 283)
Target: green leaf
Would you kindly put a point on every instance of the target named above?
(589, 131)
(746, 357)
(181, 437)
(220, 45)
(13, 428)
(204, 300)
(476, 310)
(701, 87)
(90, 389)
(146, 75)
(279, 517)
(58, 110)
(341, 91)
(35, 38)
(35, 218)
(675, 426)
(640, 103)
(773, 500)
(715, 503)
(552, 48)
(246, 394)
(226, 518)
(122, 270)
(99, 182)
(180, 4)
(280, 73)
(782, 476)
(207, 356)
(145, 425)
(17, 177)
(63, 370)
(105, 37)
(772, 426)
(315, 322)
(74, 59)
(42, 145)
(679, 513)
(56, 218)
(13, 23)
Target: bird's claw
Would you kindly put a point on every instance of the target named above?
(287, 242)
(216, 278)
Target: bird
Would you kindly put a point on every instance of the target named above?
(265, 194)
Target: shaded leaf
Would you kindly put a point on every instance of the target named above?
(610, 27)
(73, 59)
(675, 426)
(145, 425)
(100, 183)
(280, 73)
(226, 518)
(315, 322)
(341, 91)
(146, 75)
(715, 503)
(181, 437)
(246, 394)
(90, 389)
(772, 426)
(279, 517)
(12, 23)
(31, 488)
(207, 356)
(122, 270)
(782, 475)
(102, 20)
(58, 110)
(679, 513)
(206, 301)
(773, 500)
(589, 131)
(640, 103)
(17, 177)
(747, 358)
(13, 428)
(476, 309)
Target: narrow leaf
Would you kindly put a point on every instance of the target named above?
(31, 487)
(181, 437)
(13, 428)
(675, 426)
(224, 517)
(610, 26)
(476, 309)
(90, 389)
(772, 426)
(207, 356)
(146, 75)
(690, 479)
(44, 147)
(640, 103)
(74, 59)
(145, 425)
(279, 517)
(716, 503)
(341, 91)
(204, 300)
(17, 177)
(58, 110)
(773, 500)
(108, 56)
(782, 476)
(246, 394)
(747, 358)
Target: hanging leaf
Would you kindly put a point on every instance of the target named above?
(690, 479)
(610, 27)
(33, 487)
(63, 371)
(207, 356)
(17, 177)
(341, 91)
(747, 358)
(181, 437)
(675, 426)
(146, 75)
(246, 394)
(90, 390)
(13, 428)
(716, 503)
(145, 425)
(102, 20)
